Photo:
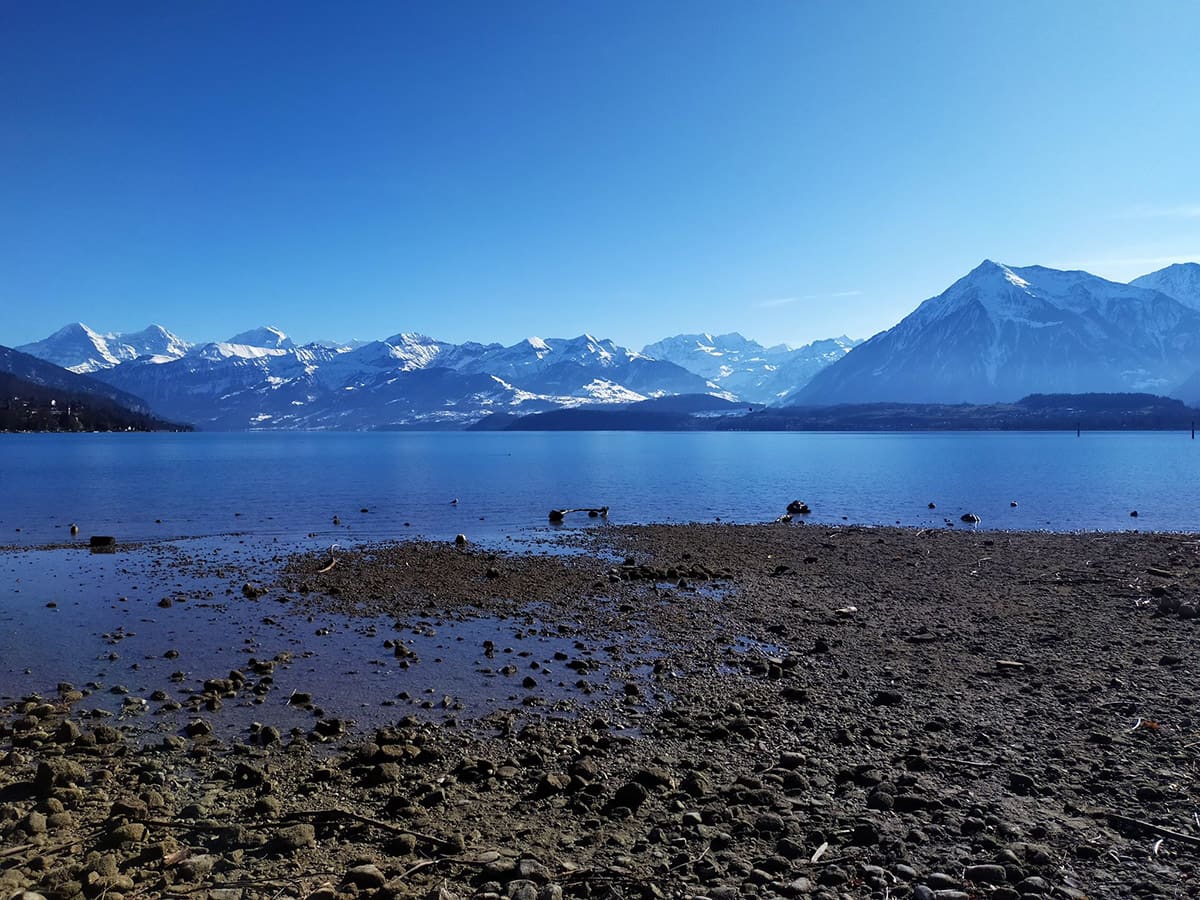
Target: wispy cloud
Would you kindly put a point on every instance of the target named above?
(1177, 211)
(788, 301)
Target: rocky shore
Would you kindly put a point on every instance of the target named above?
(758, 711)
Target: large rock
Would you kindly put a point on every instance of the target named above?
(293, 838)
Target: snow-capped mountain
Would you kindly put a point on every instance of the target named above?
(82, 350)
(744, 367)
(1000, 333)
(1180, 282)
(265, 336)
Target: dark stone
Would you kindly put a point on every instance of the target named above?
(366, 876)
(197, 728)
(986, 873)
(1021, 783)
(631, 796)
(293, 838)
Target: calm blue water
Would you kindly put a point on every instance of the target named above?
(290, 485)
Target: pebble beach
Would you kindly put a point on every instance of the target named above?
(650, 711)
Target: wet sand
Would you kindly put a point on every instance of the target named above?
(709, 711)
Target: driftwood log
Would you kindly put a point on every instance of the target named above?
(557, 515)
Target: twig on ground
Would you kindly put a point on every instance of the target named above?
(366, 820)
(423, 864)
(980, 763)
(1150, 827)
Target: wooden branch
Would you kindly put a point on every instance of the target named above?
(423, 864)
(366, 820)
(979, 763)
(1150, 827)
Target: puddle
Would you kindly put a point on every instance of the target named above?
(169, 617)
(748, 646)
(747, 653)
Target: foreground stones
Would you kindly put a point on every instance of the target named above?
(967, 732)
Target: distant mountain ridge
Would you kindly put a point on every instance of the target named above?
(1037, 412)
(36, 395)
(45, 374)
(262, 379)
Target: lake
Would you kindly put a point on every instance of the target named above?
(290, 486)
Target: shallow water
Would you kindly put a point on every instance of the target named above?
(95, 620)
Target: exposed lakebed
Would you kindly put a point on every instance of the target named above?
(798, 711)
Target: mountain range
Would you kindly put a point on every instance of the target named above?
(263, 379)
(997, 334)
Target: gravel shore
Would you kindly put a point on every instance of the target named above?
(759, 711)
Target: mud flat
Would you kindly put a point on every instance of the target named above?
(703, 711)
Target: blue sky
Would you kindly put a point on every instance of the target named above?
(493, 170)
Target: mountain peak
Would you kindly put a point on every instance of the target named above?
(992, 269)
(264, 336)
(1179, 281)
(410, 337)
(76, 328)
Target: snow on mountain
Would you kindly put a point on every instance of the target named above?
(535, 355)
(405, 380)
(81, 350)
(224, 385)
(266, 336)
(716, 356)
(799, 367)
(1000, 332)
(1180, 282)
(745, 368)
(414, 351)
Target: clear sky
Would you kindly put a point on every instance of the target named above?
(492, 170)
